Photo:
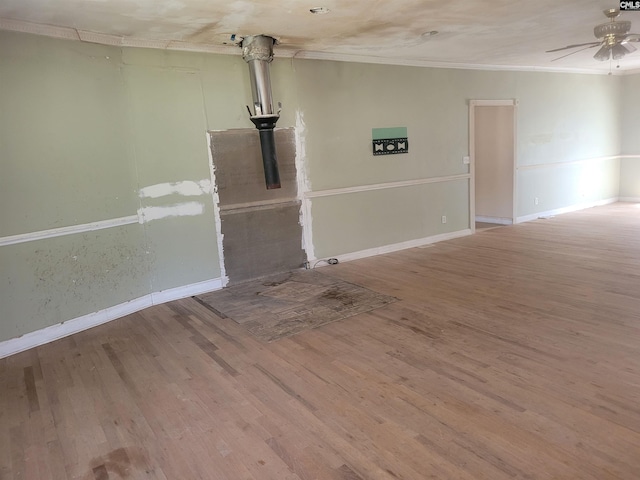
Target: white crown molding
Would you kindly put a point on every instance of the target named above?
(114, 40)
(123, 41)
(39, 29)
(343, 57)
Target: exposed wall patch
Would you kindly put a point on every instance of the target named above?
(216, 211)
(188, 209)
(187, 188)
(261, 228)
(303, 187)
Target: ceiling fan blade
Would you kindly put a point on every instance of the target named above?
(590, 44)
(577, 51)
(631, 37)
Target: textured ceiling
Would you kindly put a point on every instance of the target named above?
(479, 33)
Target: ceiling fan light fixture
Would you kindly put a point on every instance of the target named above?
(603, 54)
(618, 51)
(612, 28)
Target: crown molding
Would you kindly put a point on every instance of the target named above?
(68, 33)
(343, 57)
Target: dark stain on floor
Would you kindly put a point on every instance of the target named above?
(282, 305)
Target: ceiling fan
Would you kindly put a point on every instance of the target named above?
(613, 39)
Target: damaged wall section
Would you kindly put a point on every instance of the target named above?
(261, 228)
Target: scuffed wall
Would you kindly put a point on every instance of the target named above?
(167, 122)
(92, 135)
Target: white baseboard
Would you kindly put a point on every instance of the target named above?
(64, 329)
(496, 220)
(347, 257)
(185, 291)
(569, 209)
(629, 199)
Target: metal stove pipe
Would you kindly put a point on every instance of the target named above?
(257, 51)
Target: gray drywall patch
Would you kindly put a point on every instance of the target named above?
(259, 242)
(261, 228)
(238, 163)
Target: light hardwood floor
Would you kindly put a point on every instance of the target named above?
(514, 353)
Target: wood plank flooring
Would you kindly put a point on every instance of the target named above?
(511, 354)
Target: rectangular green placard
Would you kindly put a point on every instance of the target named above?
(388, 141)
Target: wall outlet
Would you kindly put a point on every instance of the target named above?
(444, 219)
(466, 160)
(535, 201)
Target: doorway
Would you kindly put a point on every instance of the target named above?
(492, 129)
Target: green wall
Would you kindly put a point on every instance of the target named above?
(561, 118)
(83, 128)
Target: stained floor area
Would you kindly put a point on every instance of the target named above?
(285, 304)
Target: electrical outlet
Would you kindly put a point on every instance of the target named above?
(535, 201)
(466, 160)
(444, 219)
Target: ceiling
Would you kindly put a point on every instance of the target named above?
(509, 34)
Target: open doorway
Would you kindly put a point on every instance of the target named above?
(492, 129)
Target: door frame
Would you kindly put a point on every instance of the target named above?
(472, 155)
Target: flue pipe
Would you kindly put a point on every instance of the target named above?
(257, 51)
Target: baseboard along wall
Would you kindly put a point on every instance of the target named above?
(85, 322)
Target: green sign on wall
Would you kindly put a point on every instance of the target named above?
(389, 141)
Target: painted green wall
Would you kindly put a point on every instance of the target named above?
(84, 127)
(561, 118)
(371, 219)
(63, 120)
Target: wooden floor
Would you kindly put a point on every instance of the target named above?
(514, 353)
